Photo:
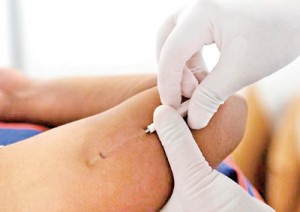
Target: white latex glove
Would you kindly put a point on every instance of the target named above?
(255, 38)
(197, 186)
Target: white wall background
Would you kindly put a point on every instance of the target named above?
(5, 53)
(91, 36)
(75, 37)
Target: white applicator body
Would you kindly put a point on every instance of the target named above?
(182, 111)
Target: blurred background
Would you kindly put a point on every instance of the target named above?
(51, 38)
(46, 38)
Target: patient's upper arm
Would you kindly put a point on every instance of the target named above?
(107, 162)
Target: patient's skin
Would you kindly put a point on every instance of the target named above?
(106, 162)
(59, 101)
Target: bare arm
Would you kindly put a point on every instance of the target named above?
(106, 162)
(59, 101)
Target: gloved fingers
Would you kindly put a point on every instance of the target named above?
(190, 81)
(164, 32)
(200, 75)
(212, 92)
(197, 66)
(203, 105)
(174, 204)
(183, 42)
(188, 84)
(193, 73)
(181, 149)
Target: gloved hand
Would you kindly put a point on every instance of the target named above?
(197, 186)
(255, 38)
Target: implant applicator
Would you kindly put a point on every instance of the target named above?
(182, 111)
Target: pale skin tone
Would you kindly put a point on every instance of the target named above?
(103, 162)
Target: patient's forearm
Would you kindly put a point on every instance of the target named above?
(59, 101)
(106, 162)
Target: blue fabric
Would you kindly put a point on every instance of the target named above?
(250, 188)
(227, 170)
(10, 136)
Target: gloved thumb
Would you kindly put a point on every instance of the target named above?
(231, 73)
(178, 142)
(210, 94)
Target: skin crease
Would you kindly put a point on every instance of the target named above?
(63, 170)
